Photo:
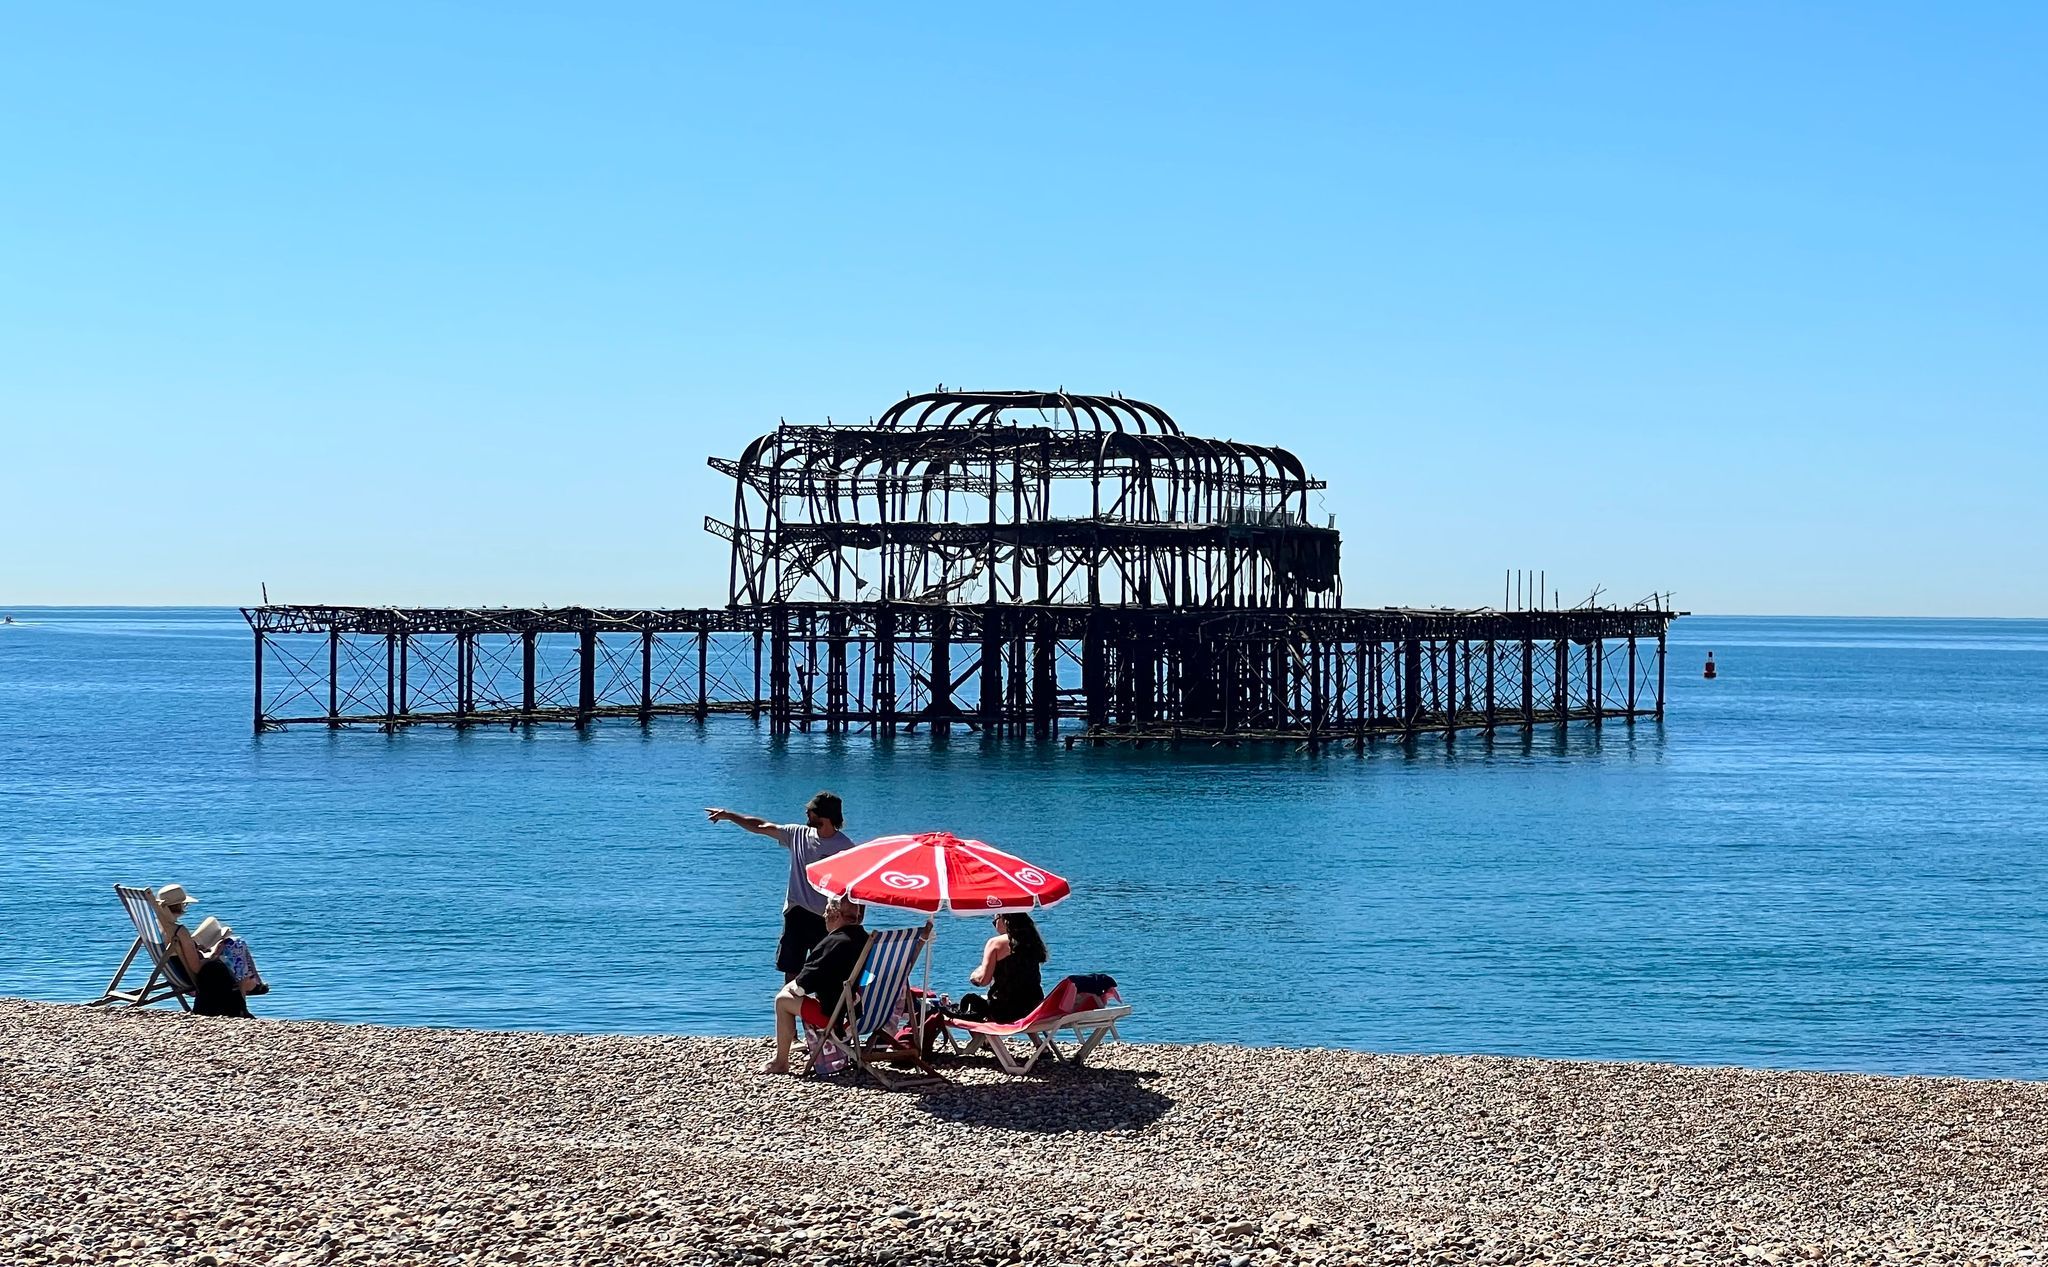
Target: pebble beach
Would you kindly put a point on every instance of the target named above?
(157, 1137)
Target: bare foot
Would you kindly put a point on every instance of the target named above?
(776, 1066)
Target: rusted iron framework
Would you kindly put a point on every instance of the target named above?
(1027, 564)
(1023, 497)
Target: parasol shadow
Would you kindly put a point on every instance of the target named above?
(1063, 1099)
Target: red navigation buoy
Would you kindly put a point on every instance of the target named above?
(1710, 666)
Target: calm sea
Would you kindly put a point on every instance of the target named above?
(1833, 857)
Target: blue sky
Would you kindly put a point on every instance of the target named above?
(440, 302)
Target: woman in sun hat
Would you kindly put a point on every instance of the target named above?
(217, 941)
(213, 959)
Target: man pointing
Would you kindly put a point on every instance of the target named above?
(803, 907)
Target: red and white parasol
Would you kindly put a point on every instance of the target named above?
(936, 871)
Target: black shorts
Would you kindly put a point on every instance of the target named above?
(801, 930)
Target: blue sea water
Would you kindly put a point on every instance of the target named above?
(1833, 857)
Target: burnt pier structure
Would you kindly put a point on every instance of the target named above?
(1007, 563)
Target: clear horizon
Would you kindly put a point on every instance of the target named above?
(18, 608)
(416, 305)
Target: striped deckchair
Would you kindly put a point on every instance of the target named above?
(860, 1025)
(167, 978)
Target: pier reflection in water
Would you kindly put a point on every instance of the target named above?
(1830, 856)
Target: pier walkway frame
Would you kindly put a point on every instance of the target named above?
(1125, 675)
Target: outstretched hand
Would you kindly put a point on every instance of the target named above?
(718, 815)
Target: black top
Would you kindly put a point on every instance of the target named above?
(1014, 988)
(830, 962)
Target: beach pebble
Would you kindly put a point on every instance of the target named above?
(272, 1142)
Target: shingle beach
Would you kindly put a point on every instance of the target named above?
(161, 1138)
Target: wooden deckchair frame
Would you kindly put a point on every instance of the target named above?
(857, 1026)
(166, 979)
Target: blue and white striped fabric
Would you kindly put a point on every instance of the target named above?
(143, 914)
(141, 908)
(891, 954)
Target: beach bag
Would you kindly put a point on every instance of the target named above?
(924, 1039)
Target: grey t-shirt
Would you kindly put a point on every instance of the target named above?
(805, 847)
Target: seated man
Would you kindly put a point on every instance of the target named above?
(823, 975)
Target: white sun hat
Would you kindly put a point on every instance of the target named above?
(209, 933)
(174, 895)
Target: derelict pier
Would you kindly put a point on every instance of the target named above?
(1008, 563)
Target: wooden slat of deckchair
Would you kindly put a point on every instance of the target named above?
(840, 1016)
(113, 991)
(884, 993)
(891, 954)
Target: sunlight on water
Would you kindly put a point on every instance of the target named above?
(1834, 856)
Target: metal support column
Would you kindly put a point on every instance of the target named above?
(462, 658)
(940, 710)
(991, 665)
(526, 668)
(1492, 703)
(1372, 680)
(884, 682)
(1631, 679)
(1095, 671)
(1660, 674)
(586, 675)
(1045, 684)
(259, 678)
(1596, 686)
(1411, 686)
(778, 673)
(646, 674)
(1564, 680)
(1528, 681)
(704, 670)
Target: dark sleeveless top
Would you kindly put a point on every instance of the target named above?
(1014, 989)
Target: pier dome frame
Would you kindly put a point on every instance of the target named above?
(1024, 497)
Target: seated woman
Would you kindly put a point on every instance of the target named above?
(217, 963)
(1009, 969)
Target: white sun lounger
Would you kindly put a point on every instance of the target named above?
(166, 978)
(1040, 1031)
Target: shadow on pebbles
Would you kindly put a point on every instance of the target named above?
(158, 1137)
